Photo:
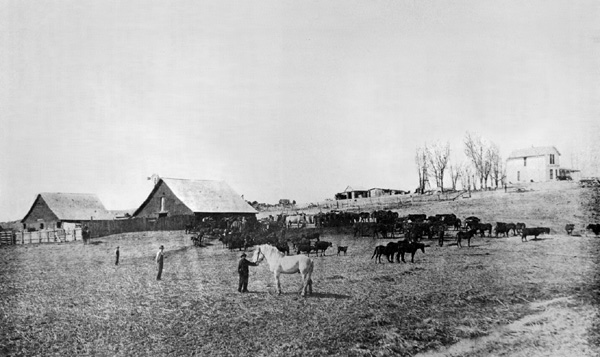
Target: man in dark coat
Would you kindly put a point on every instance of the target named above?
(117, 256)
(243, 272)
(160, 256)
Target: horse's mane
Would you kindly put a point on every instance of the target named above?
(272, 249)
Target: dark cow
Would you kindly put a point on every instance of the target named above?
(519, 227)
(283, 247)
(569, 228)
(405, 247)
(471, 222)
(465, 235)
(535, 232)
(594, 228)
(382, 229)
(304, 248)
(311, 236)
(322, 246)
(342, 249)
(484, 227)
(502, 228)
(457, 224)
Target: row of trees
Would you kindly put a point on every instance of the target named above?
(484, 162)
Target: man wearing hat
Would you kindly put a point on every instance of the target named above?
(243, 272)
(159, 261)
(117, 256)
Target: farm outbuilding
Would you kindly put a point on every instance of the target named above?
(54, 210)
(199, 198)
(351, 193)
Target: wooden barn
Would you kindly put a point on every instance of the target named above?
(535, 164)
(199, 198)
(54, 210)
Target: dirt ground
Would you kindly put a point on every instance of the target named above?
(500, 297)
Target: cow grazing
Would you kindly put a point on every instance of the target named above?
(465, 235)
(342, 249)
(535, 232)
(322, 246)
(594, 228)
(569, 228)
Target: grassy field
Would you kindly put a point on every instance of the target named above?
(499, 297)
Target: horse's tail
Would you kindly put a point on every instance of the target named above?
(374, 253)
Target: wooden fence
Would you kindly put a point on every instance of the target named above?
(387, 202)
(7, 237)
(48, 236)
(101, 228)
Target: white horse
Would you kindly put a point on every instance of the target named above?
(279, 264)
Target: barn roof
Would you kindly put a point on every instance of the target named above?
(73, 206)
(534, 151)
(204, 196)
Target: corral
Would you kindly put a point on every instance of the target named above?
(533, 298)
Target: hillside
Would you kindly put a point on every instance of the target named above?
(550, 204)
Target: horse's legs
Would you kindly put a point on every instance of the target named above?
(278, 283)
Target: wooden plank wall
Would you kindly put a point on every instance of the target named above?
(101, 228)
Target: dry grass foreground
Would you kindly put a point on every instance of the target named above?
(499, 297)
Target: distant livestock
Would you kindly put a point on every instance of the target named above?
(342, 249)
(535, 232)
(594, 228)
(465, 235)
(322, 247)
(569, 228)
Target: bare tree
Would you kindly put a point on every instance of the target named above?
(438, 156)
(422, 168)
(455, 174)
(476, 151)
(497, 168)
(465, 177)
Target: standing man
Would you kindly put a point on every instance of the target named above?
(117, 256)
(160, 256)
(243, 272)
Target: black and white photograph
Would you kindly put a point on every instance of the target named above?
(300, 178)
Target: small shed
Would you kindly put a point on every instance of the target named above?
(54, 210)
(199, 198)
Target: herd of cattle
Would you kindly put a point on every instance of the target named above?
(242, 233)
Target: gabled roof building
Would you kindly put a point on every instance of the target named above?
(535, 164)
(52, 210)
(200, 198)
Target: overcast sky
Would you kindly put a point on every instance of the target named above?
(282, 99)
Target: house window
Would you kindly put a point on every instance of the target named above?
(551, 174)
(41, 226)
(58, 224)
(551, 159)
(524, 161)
